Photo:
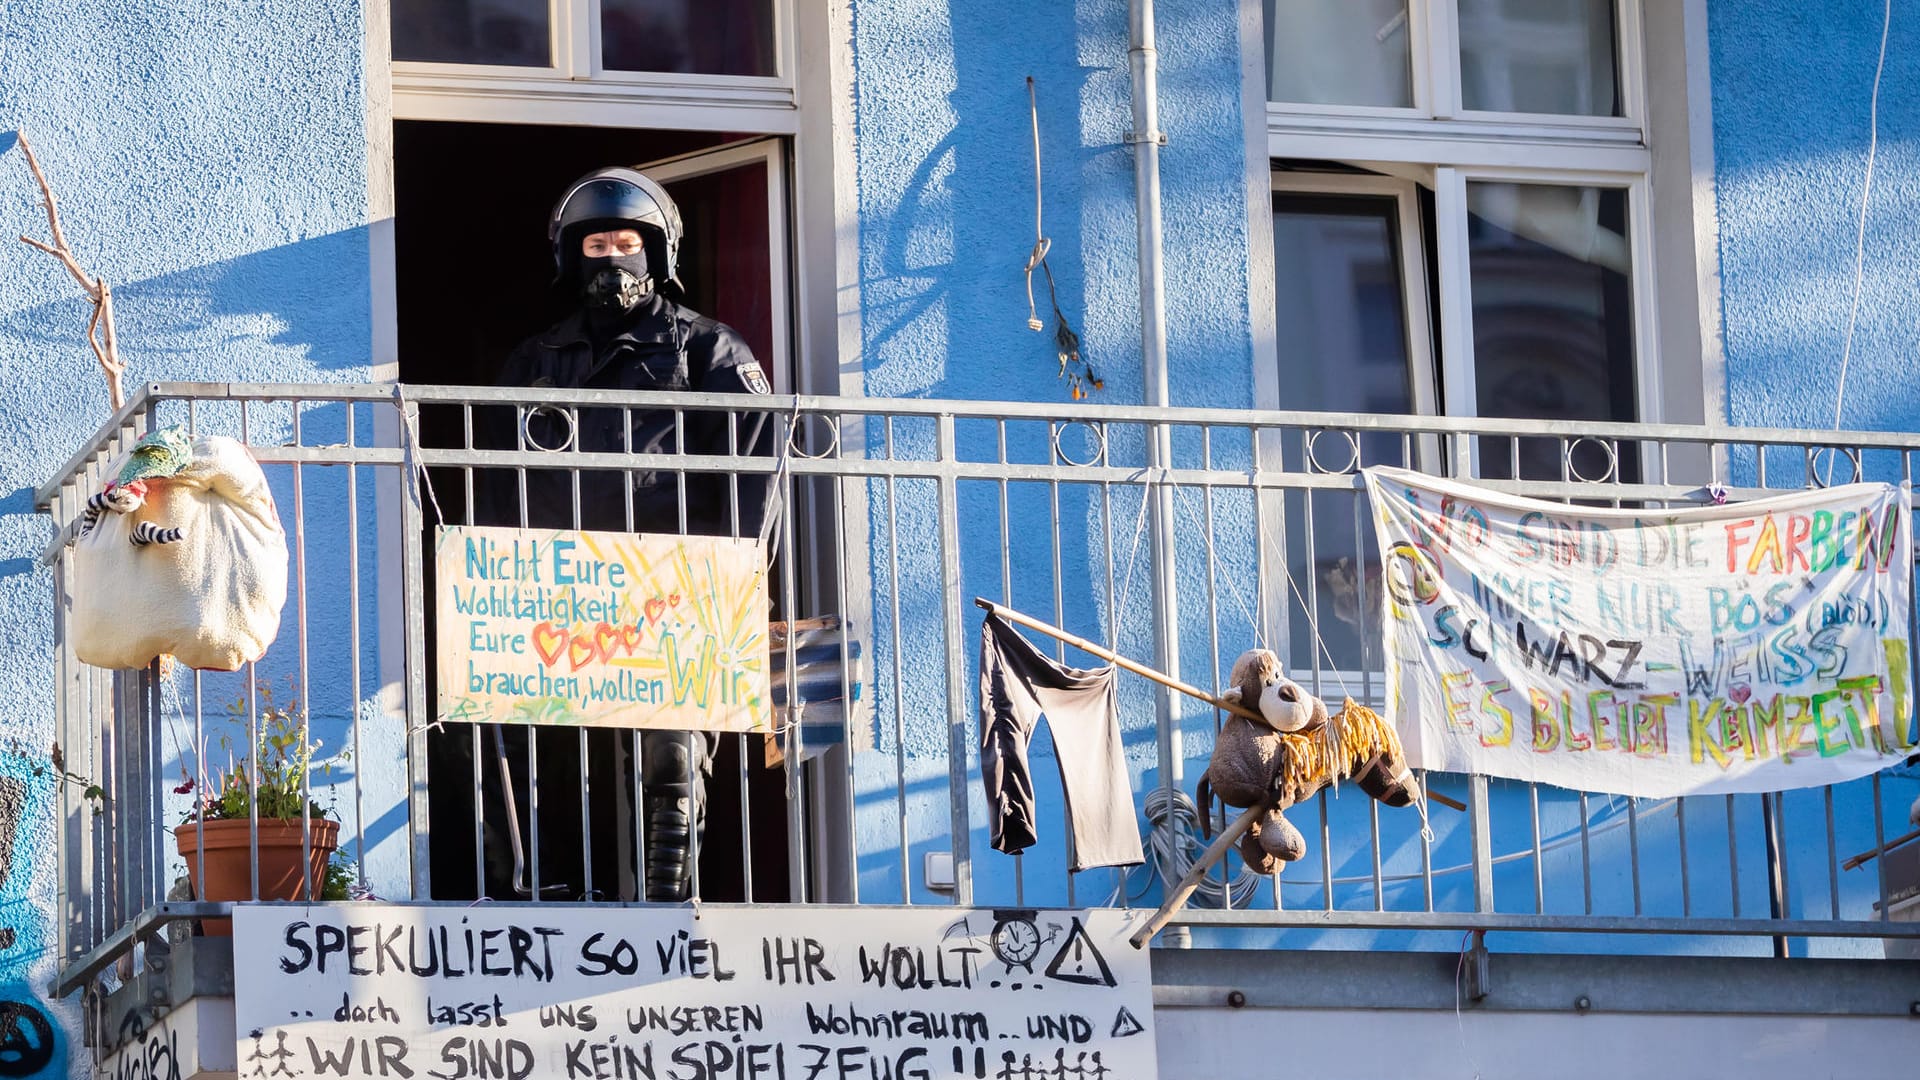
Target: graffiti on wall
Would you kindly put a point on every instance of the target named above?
(30, 1043)
(147, 1053)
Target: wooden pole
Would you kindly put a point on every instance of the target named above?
(1868, 856)
(1144, 671)
(1177, 899)
(1112, 657)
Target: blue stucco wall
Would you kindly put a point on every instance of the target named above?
(946, 190)
(1792, 88)
(210, 162)
(1792, 99)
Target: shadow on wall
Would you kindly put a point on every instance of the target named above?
(947, 210)
(300, 311)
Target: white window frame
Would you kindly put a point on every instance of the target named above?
(1433, 27)
(1460, 392)
(1443, 146)
(770, 154)
(576, 88)
(1422, 384)
(1440, 145)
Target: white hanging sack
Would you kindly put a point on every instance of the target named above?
(209, 594)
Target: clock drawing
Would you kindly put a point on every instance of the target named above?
(1015, 939)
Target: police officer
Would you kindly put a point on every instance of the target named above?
(616, 240)
(616, 243)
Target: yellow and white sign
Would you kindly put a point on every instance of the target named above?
(540, 626)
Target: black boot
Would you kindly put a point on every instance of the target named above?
(673, 778)
(669, 847)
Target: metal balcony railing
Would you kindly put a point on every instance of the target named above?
(896, 514)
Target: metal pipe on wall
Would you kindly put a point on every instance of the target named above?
(1143, 60)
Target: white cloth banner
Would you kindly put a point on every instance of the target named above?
(1750, 647)
(580, 992)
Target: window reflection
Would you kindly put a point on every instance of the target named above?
(1538, 56)
(1355, 52)
(1343, 347)
(704, 37)
(1552, 319)
(507, 32)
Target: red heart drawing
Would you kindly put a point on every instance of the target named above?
(655, 607)
(581, 650)
(1740, 693)
(674, 600)
(630, 637)
(549, 642)
(606, 638)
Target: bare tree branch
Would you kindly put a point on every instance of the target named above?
(106, 348)
(66, 259)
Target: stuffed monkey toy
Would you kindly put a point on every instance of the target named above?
(1296, 751)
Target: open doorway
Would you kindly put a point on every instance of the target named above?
(475, 272)
(474, 277)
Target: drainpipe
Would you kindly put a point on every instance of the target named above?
(1146, 139)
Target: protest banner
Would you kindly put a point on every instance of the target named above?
(601, 629)
(1750, 647)
(507, 992)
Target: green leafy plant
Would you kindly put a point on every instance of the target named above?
(341, 878)
(279, 773)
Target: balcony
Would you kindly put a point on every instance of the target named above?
(898, 514)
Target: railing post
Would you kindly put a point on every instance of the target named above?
(419, 708)
(951, 589)
(68, 849)
(1776, 872)
(1477, 809)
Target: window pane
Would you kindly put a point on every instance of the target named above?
(704, 37)
(1343, 333)
(1354, 52)
(513, 32)
(1552, 318)
(1538, 56)
(726, 258)
(1342, 346)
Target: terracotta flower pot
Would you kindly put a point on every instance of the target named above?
(229, 862)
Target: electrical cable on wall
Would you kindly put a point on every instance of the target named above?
(1082, 381)
(1860, 234)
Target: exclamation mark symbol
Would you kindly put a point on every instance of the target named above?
(980, 1062)
(960, 1060)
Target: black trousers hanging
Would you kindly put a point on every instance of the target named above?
(1018, 686)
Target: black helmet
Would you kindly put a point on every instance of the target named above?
(616, 198)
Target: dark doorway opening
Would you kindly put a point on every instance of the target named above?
(474, 277)
(475, 271)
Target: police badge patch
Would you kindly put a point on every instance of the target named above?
(755, 379)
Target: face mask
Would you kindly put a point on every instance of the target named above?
(616, 282)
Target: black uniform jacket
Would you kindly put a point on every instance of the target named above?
(663, 346)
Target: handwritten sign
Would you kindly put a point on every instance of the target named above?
(602, 629)
(1750, 647)
(506, 992)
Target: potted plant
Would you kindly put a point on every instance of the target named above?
(268, 790)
